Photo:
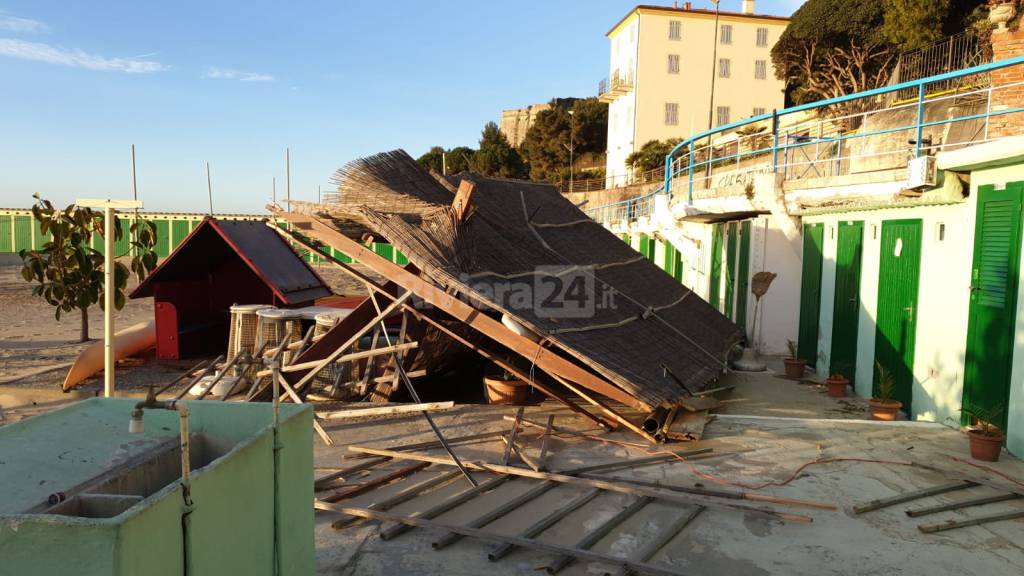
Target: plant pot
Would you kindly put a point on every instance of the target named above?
(837, 386)
(985, 447)
(501, 391)
(884, 410)
(794, 367)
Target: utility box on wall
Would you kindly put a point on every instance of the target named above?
(83, 496)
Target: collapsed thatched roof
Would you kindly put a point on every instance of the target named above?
(527, 251)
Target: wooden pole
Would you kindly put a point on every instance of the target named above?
(595, 535)
(669, 496)
(544, 523)
(385, 410)
(952, 524)
(479, 534)
(908, 496)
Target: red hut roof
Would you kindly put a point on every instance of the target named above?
(291, 279)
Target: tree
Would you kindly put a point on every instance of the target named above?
(69, 272)
(651, 155)
(913, 24)
(496, 157)
(547, 142)
(832, 48)
(453, 161)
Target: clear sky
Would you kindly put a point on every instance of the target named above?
(235, 83)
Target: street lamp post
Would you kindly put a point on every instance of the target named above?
(572, 125)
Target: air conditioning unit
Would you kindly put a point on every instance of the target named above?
(921, 173)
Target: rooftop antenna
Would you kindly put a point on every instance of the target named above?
(209, 187)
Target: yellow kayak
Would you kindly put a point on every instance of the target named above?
(127, 342)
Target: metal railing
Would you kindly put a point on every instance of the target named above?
(957, 52)
(613, 181)
(850, 134)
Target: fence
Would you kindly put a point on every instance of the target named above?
(856, 133)
(19, 231)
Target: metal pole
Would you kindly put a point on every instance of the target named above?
(714, 71)
(444, 163)
(209, 187)
(273, 189)
(775, 140)
(135, 193)
(920, 120)
(572, 125)
(108, 302)
(288, 178)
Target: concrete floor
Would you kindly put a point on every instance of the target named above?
(795, 423)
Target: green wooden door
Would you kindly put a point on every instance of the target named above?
(993, 305)
(179, 230)
(846, 306)
(896, 319)
(22, 233)
(163, 237)
(6, 233)
(714, 288)
(743, 276)
(810, 292)
(730, 270)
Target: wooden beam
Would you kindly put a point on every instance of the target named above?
(917, 512)
(388, 291)
(668, 496)
(545, 358)
(385, 410)
(344, 358)
(952, 524)
(500, 538)
(376, 482)
(908, 496)
(324, 482)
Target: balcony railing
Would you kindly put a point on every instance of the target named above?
(621, 84)
(824, 138)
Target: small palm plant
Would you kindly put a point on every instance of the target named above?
(985, 419)
(792, 348)
(886, 384)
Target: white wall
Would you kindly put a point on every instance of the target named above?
(771, 249)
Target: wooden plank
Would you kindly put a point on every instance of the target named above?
(918, 512)
(501, 538)
(451, 502)
(344, 358)
(544, 442)
(384, 410)
(437, 444)
(510, 442)
(544, 523)
(376, 482)
(669, 496)
(324, 481)
(686, 426)
(663, 538)
(595, 535)
(545, 358)
(908, 496)
(501, 510)
(696, 404)
(402, 496)
(953, 524)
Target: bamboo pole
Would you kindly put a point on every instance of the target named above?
(385, 410)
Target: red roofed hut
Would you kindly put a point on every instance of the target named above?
(221, 263)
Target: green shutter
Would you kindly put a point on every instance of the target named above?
(163, 238)
(22, 233)
(846, 306)
(730, 270)
(715, 280)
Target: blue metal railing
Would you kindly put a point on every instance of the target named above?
(641, 206)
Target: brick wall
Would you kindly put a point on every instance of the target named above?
(1007, 44)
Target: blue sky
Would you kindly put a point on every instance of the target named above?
(235, 83)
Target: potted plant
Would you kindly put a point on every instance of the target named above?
(837, 382)
(882, 406)
(794, 365)
(505, 389)
(985, 437)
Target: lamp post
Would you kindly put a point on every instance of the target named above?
(572, 125)
(108, 206)
(714, 67)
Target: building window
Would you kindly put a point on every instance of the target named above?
(762, 37)
(724, 67)
(760, 69)
(675, 30)
(759, 111)
(726, 36)
(723, 115)
(673, 63)
(671, 114)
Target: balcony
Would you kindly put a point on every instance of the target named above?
(620, 85)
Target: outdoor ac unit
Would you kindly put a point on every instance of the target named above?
(921, 172)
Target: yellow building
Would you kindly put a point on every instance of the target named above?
(664, 62)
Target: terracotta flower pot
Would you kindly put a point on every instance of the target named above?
(506, 391)
(837, 386)
(794, 367)
(884, 410)
(985, 447)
